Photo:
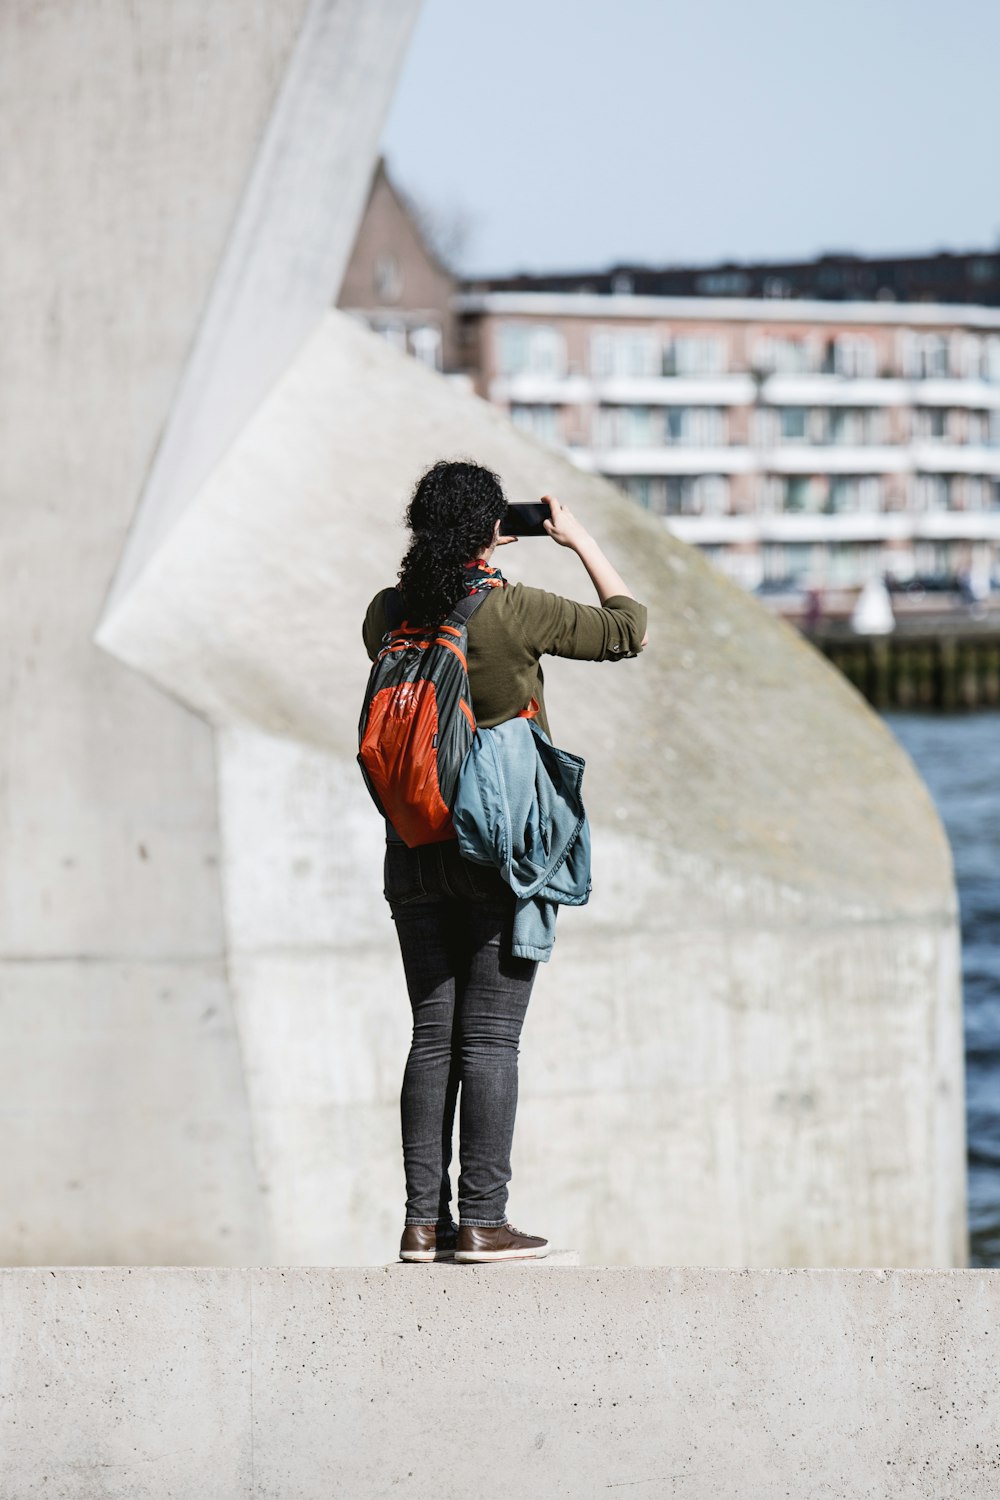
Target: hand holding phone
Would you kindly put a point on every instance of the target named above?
(564, 528)
(525, 520)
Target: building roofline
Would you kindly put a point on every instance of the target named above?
(411, 210)
(610, 306)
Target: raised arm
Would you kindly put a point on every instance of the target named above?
(567, 531)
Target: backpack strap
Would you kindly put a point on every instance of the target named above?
(395, 610)
(395, 613)
(466, 608)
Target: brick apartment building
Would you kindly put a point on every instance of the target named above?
(809, 442)
(798, 440)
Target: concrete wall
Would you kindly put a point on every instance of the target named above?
(444, 1381)
(133, 133)
(747, 1050)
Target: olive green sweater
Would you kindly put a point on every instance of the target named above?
(516, 625)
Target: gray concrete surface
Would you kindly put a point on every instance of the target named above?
(747, 1050)
(132, 135)
(261, 1384)
(288, 248)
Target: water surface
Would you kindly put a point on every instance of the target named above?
(958, 756)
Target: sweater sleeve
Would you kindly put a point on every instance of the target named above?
(556, 626)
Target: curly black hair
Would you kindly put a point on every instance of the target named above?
(451, 517)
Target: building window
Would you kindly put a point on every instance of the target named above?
(971, 492)
(705, 426)
(629, 356)
(602, 355)
(930, 422)
(774, 355)
(386, 278)
(799, 562)
(934, 356)
(925, 356)
(711, 494)
(845, 563)
(605, 427)
(775, 564)
(801, 492)
(724, 283)
(793, 423)
(625, 427)
(540, 422)
(931, 559)
(991, 360)
(636, 427)
(853, 492)
(968, 355)
(639, 488)
(646, 490)
(818, 426)
(528, 349)
(930, 492)
(768, 494)
(425, 341)
(690, 354)
(854, 356)
(765, 426)
(393, 332)
(852, 427)
(697, 495)
(695, 426)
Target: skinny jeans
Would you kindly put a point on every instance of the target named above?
(468, 996)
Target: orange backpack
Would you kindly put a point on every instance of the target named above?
(417, 722)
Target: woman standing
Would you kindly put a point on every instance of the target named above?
(453, 918)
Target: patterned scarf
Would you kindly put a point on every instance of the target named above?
(482, 577)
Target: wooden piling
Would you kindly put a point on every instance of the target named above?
(949, 666)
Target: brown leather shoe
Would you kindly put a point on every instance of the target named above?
(503, 1242)
(427, 1242)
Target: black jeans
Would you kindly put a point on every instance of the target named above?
(469, 997)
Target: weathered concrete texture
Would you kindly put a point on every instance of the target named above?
(289, 245)
(125, 1127)
(132, 135)
(748, 1050)
(256, 1384)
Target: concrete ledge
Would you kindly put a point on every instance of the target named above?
(318, 1382)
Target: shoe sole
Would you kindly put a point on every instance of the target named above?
(470, 1257)
(426, 1255)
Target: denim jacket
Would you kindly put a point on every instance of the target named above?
(519, 807)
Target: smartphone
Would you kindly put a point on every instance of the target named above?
(525, 520)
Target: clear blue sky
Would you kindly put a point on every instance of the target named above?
(584, 132)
